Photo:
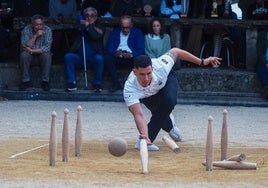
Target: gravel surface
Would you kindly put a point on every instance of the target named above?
(105, 120)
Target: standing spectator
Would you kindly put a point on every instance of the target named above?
(103, 6)
(157, 42)
(126, 7)
(124, 43)
(93, 33)
(61, 10)
(28, 8)
(259, 11)
(36, 40)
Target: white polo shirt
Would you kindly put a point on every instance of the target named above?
(133, 91)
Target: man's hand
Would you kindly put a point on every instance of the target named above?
(214, 61)
(39, 33)
(148, 141)
(119, 54)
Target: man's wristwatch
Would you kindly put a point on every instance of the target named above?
(31, 51)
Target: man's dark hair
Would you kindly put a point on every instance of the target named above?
(142, 61)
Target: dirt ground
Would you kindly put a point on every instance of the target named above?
(97, 167)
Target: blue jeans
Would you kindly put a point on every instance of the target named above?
(73, 61)
(161, 105)
(263, 73)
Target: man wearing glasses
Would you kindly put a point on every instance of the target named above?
(124, 43)
(93, 33)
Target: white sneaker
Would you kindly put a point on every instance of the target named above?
(175, 133)
(149, 147)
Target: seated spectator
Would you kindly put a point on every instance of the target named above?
(61, 10)
(92, 32)
(126, 7)
(4, 42)
(103, 7)
(259, 11)
(174, 8)
(157, 42)
(124, 43)
(28, 8)
(36, 40)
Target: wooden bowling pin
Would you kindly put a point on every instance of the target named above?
(65, 137)
(144, 156)
(238, 158)
(209, 145)
(224, 136)
(78, 133)
(171, 144)
(53, 140)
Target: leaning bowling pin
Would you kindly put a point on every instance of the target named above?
(65, 137)
(224, 136)
(144, 156)
(53, 141)
(209, 145)
(78, 133)
(171, 144)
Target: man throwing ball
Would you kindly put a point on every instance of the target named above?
(154, 83)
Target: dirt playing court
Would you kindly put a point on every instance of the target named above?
(97, 166)
(101, 123)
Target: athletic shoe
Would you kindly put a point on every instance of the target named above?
(151, 147)
(71, 87)
(175, 133)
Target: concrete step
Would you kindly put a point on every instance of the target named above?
(190, 79)
(195, 98)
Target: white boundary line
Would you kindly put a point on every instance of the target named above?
(27, 151)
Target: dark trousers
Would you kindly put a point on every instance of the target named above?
(263, 73)
(112, 64)
(161, 105)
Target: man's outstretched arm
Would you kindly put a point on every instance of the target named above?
(140, 121)
(176, 53)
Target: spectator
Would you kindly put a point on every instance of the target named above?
(259, 11)
(124, 43)
(36, 39)
(4, 42)
(61, 10)
(127, 7)
(174, 8)
(92, 33)
(157, 42)
(28, 8)
(103, 6)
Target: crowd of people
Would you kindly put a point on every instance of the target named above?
(125, 42)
